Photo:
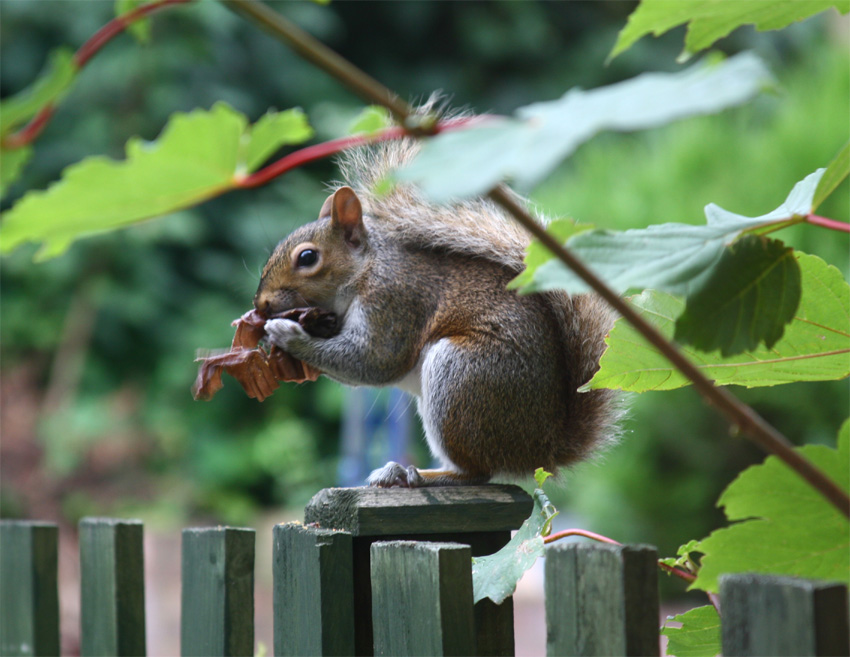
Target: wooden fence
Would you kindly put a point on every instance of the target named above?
(386, 572)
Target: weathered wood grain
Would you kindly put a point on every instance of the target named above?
(771, 615)
(112, 587)
(398, 511)
(601, 599)
(422, 599)
(218, 592)
(29, 596)
(313, 591)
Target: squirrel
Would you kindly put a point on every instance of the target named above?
(420, 291)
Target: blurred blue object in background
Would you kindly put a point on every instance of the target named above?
(376, 428)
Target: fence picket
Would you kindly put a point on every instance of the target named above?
(601, 599)
(112, 587)
(771, 615)
(422, 598)
(313, 591)
(29, 596)
(217, 601)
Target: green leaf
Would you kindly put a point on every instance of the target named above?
(787, 528)
(815, 347)
(540, 476)
(495, 576)
(710, 20)
(50, 86)
(273, 130)
(836, 172)
(699, 635)
(199, 155)
(12, 162)
(140, 29)
(371, 120)
(676, 258)
(470, 162)
(747, 299)
(537, 254)
(683, 558)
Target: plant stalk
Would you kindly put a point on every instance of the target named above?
(317, 53)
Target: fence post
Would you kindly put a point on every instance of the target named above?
(313, 591)
(112, 587)
(422, 598)
(29, 596)
(217, 601)
(601, 599)
(771, 615)
(479, 516)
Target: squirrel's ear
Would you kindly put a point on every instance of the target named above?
(347, 214)
(326, 207)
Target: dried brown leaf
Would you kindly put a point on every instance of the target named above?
(260, 372)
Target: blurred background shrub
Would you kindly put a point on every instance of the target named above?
(97, 345)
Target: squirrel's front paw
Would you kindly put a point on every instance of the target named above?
(393, 474)
(282, 332)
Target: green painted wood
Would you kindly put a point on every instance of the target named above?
(479, 516)
(601, 599)
(112, 587)
(217, 616)
(494, 624)
(29, 595)
(771, 615)
(439, 510)
(422, 598)
(313, 591)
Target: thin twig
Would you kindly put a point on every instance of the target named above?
(316, 52)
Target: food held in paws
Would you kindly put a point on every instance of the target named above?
(260, 371)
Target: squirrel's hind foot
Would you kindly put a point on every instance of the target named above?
(394, 474)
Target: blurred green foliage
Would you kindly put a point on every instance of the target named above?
(102, 339)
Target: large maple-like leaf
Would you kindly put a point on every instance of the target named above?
(199, 155)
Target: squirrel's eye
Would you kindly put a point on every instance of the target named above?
(307, 258)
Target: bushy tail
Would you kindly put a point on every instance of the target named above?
(595, 416)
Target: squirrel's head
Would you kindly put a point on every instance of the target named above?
(317, 263)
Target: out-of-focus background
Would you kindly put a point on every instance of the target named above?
(98, 344)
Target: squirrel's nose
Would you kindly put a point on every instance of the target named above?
(262, 304)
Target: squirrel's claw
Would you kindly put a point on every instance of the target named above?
(394, 474)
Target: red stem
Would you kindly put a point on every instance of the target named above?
(31, 130)
(580, 532)
(334, 146)
(115, 27)
(104, 35)
(828, 223)
(688, 577)
(313, 153)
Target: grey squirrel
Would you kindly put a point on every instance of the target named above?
(421, 294)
